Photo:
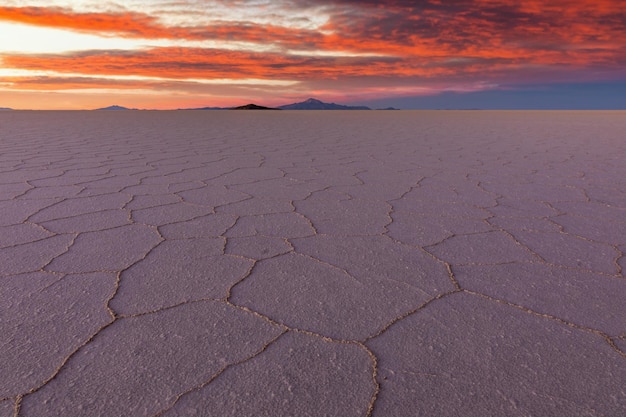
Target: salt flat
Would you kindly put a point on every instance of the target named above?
(432, 263)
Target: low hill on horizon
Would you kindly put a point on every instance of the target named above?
(5, 108)
(207, 108)
(253, 106)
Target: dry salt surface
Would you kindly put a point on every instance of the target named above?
(312, 263)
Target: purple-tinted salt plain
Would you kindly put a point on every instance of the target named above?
(433, 263)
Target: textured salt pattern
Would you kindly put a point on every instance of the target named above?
(305, 263)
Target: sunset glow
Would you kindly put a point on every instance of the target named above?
(162, 54)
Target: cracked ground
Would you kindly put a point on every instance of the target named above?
(312, 264)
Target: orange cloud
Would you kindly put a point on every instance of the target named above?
(182, 63)
(58, 83)
(138, 24)
(141, 25)
(198, 63)
(428, 28)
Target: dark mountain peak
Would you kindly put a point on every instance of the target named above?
(253, 106)
(315, 104)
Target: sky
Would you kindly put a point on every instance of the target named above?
(168, 54)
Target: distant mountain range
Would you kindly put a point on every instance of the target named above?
(310, 104)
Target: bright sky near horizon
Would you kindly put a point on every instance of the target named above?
(81, 54)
